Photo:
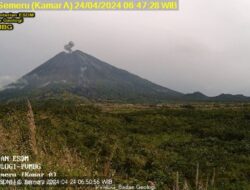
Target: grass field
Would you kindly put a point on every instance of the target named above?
(176, 146)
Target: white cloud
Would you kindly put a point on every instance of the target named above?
(6, 79)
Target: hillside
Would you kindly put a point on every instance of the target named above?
(77, 75)
(83, 75)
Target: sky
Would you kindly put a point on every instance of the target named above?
(205, 46)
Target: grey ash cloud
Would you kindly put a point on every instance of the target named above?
(68, 47)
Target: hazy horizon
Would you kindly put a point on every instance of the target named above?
(202, 47)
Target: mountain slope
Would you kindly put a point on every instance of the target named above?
(77, 74)
(230, 97)
(84, 75)
(198, 96)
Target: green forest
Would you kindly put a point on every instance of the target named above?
(175, 146)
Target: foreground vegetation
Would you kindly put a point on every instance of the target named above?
(193, 146)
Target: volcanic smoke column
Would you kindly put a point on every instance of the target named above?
(68, 46)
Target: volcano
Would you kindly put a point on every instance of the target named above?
(83, 75)
(77, 74)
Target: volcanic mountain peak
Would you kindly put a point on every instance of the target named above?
(84, 75)
(75, 68)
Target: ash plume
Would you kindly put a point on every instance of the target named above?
(68, 47)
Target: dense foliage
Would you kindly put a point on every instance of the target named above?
(136, 143)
